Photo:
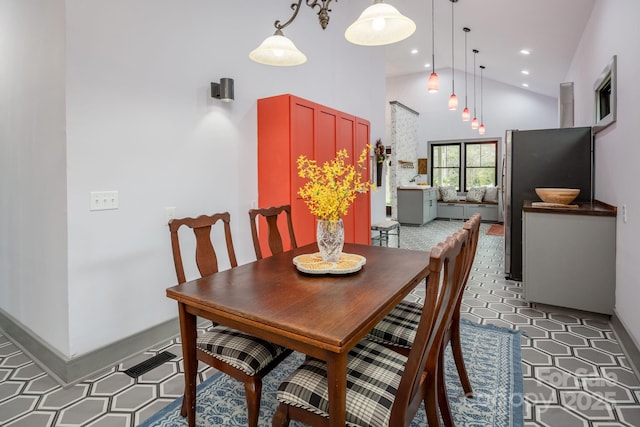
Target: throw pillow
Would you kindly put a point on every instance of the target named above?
(491, 194)
(449, 194)
(475, 194)
(442, 189)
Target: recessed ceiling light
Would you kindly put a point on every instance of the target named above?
(525, 51)
(525, 72)
(414, 51)
(427, 65)
(525, 84)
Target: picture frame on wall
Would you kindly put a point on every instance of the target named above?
(605, 96)
(423, 166)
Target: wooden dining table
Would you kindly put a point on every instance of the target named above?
(322, 316)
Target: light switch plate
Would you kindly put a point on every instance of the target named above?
(103, 200)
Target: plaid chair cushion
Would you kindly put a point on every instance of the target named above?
(373, 378)
(242, 351)
(399, 327)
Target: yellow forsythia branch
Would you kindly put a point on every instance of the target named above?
(332, 187)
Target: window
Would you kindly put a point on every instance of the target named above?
(480, 164)
(464, 164)
(445, 167)
(606, 96)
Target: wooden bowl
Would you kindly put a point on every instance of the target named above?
(562, 196)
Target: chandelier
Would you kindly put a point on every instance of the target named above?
(379, 24)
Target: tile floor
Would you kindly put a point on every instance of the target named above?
(575, 373)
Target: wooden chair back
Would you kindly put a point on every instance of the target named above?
(206, 257)
(274, 238)
(452, 333)
(443, 286)
(473, 228)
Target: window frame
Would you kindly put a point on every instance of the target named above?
(466, 165)
(463, 159)
(433, 163)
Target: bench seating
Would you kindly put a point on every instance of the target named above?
(463, 209)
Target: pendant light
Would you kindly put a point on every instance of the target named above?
(453, 99)
(380, 24)
(481, 129)
(434, 84)
(466, 114)
(278, 50)
(474, 122)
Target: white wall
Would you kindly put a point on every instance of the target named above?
(33, 227)
(505, 107)
(140, 120)
(613, 30)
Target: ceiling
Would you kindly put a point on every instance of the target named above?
(550, 29)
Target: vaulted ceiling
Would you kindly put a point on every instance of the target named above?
(500, 29)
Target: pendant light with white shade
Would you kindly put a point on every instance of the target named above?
(481, 129)
(466, 114)
(433, 84)
(278, 50)
(453, 99)
(474, 122)
(378, 25)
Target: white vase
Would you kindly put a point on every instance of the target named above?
(330, 238)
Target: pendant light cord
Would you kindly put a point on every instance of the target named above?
(453, 81)
(466, 80)
(481, 94)
(433, 37)
(475, 53)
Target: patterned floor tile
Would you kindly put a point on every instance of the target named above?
(575, 372)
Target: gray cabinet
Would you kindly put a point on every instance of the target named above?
(569, 260)
(462, 210)
(488, 212)
(450, 210)
(432, 197)
(417, 206)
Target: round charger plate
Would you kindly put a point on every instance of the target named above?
(313, 264)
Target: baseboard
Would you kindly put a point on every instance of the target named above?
(68, 371)
(629, 345)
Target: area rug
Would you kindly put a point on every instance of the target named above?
(493, 359)
(496, 230)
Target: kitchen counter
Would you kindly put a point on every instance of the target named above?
(597, 208)
(417, 204)
(569, 256)
(415, 187)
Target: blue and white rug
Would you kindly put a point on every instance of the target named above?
(493, 360)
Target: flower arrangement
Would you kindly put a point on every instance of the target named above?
(332, 187)
(380, 151)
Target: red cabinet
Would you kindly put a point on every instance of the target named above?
(288, 127)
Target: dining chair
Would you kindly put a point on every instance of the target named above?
(384, 387)
(398, 329)
(239, 355)
(452, 332)
(274, 238)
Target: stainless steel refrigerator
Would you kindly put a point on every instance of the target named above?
(556, 158)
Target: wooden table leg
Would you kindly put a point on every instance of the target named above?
(188, 335)
(337, 382)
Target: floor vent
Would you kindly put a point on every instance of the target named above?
(149, 364)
